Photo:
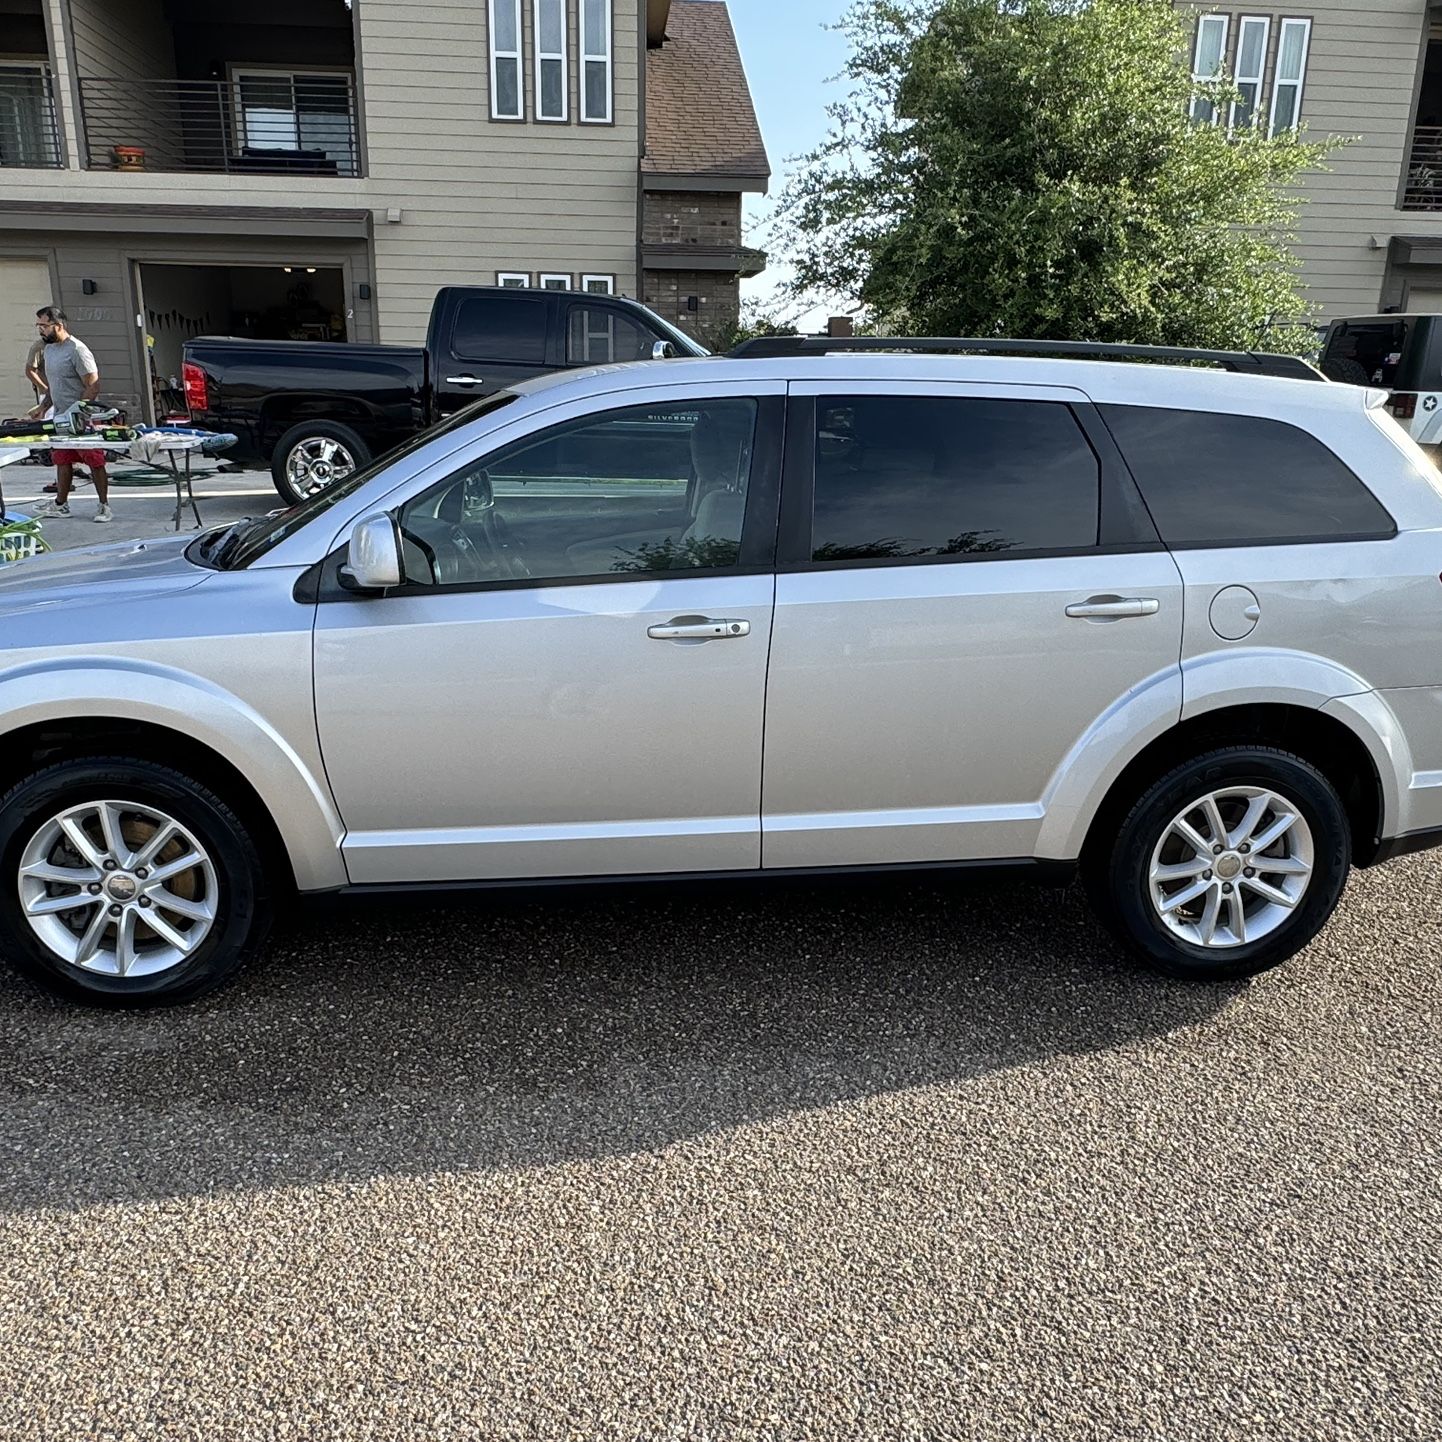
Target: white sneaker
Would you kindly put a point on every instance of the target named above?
(52, 511)
(103, 513)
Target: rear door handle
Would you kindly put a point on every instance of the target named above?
(1113, 608)
(464, 381)
(699, 628)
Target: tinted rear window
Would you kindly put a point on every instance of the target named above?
(1366, 353)
(501, 328)
(901, 477)
(1211, 479)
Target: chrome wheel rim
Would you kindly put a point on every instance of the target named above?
(1231, 867)
(314, 464)
(115, 888)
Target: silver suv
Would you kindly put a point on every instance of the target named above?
(1179, 628)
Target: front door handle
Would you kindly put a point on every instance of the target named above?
(464, 381)
(1113, 608)
(699, 628)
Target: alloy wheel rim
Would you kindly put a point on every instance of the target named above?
(317, 463)
(116, 888)
(1231, 867)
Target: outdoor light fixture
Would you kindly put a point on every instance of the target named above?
(88, 287)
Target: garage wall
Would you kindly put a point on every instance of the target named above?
(181, 303)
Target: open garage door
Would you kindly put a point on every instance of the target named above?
(294, 301)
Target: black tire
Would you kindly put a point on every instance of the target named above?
(356, 450)
(242, 915)
(1119, 879)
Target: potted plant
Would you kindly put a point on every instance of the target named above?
(128, 157)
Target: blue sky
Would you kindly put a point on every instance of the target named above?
(789, 57)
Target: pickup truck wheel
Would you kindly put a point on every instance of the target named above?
(124, 884)
(311, 456)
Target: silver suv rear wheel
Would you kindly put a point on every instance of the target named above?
(1227, 865)
(1231, 867)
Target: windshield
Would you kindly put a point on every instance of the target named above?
(245, 542)
(684, 344)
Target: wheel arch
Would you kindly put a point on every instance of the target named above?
(1322, 739)
(180, 722)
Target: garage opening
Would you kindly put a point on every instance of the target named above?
(293, 301)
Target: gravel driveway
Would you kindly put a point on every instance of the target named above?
(851, 1162)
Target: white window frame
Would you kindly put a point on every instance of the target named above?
(590, 282)
(590, 55)
(239, 72)
(1299, 84)
(514, 57)
(1258, 79)
(514, 279)
(548, 276)
(1200, 106)
(552, 55)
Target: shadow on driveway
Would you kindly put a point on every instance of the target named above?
(417, 1037)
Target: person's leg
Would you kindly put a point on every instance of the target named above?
(102, 491)
(63, 473)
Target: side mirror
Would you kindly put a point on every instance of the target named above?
(373, 555)
(663, 350)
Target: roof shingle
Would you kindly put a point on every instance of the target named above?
(699, 115)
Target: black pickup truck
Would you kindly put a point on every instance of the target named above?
(315, 410)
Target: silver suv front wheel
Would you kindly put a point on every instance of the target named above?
(118, 888)
(125, 883)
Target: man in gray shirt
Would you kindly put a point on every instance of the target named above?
(71, 375)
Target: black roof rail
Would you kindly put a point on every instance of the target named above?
(1258, 363)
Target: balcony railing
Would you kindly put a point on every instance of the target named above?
(1423, 190)
(256, 123)
(29, 135)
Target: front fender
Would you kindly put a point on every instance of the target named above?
(290, 786)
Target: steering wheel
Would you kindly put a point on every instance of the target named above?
(497, 530)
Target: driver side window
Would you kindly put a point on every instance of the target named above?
(624, 493)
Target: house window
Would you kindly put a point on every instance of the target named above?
(596, 61)
(553, 280)
(599, 284)
(27, 120)
(1295, 38)
(551, 80)
(1207, 63)
(1251, 66)
(306, 114)
(514, 279)
(507, 102)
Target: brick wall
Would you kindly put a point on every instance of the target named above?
(690, 218)
(718, 294)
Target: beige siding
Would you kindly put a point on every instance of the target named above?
(118, 43)
(476, 197)
(1360, 82)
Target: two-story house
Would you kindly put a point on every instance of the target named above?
(1369, 236)
(317, 168)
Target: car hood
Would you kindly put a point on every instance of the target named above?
(111, 572)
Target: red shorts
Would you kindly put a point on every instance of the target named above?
(78, 458)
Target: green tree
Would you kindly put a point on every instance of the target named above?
(1030, 168)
